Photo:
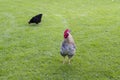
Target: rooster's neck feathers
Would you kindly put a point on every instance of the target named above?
(69, 39)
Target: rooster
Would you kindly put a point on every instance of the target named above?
(68, 46)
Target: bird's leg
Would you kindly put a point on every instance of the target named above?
(69, 60)
(64, 61)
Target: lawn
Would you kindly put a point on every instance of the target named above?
(31, 52)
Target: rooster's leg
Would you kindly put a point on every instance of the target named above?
(69, 57)
(64, 61)
(69, 60)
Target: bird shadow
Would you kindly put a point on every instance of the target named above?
(35, 25)
(32, 25)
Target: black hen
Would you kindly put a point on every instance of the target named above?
(36, 19)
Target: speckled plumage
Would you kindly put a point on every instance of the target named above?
(67, 49)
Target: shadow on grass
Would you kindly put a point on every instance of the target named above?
(33, 25)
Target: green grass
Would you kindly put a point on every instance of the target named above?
(32, 52)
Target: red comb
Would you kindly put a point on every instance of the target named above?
(66, 31)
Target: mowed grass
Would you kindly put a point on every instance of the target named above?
(31, 52)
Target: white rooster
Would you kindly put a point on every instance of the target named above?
(68, 47)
